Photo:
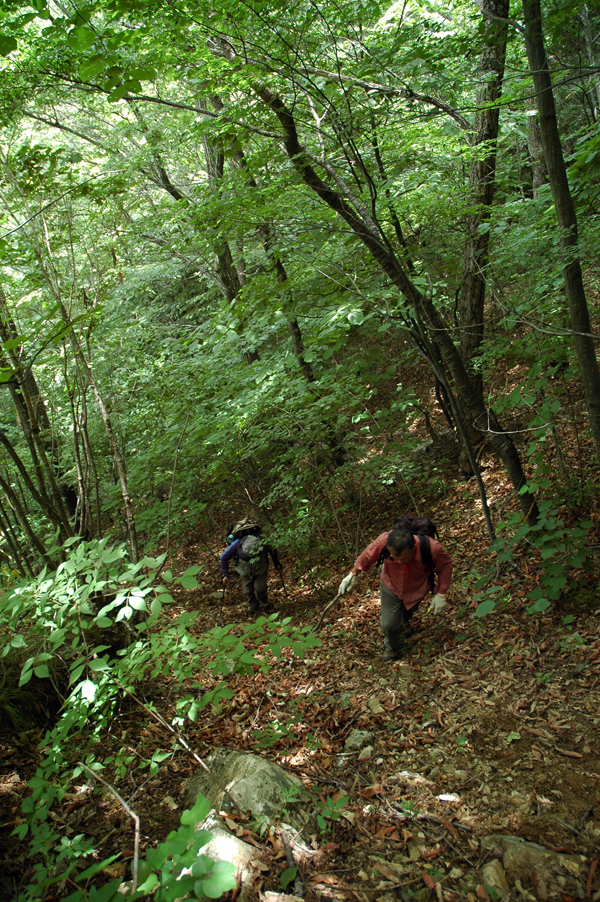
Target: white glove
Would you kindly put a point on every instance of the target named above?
(438, 603)
(347, 583)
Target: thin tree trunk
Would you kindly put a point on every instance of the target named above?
(482, 184)
(565, 212)
(22, 519)
(594, 81)
(536, 154)
(118, 458)
(370, 237)
(18, 556)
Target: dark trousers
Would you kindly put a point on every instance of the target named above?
(255, 588)
(394, 618)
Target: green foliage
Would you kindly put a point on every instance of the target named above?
(286, 877)
(560, 549)
(55, 611)
(331, 810)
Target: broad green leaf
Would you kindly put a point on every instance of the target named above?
(93, 67)
(222, 880)
(485, 607)
(287, 876)
(94, 868)
(99, 664)
(7, 44)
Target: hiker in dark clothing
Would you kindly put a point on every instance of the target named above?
(406, 578)
(251, 556)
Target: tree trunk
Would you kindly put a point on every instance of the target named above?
(482, 183)
(536, 154)
(565, 212)
(594, 82)
(370, 237)
(119, 462)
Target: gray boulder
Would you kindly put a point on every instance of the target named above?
(255, 785)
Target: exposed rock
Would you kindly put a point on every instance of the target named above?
(493, 875)
(375, 706)
(367, 752)
(357, 740)
(224, 846)
(523, 859)
(254, 783)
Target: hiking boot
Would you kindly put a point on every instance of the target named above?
(389, 655)
(252, 612)
(267, 608)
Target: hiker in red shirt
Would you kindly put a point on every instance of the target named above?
(410, 566)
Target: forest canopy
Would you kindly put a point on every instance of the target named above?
(291, 260)
(231, 237)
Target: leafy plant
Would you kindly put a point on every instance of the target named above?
(62, 619)
(331, 809)
(287, 876)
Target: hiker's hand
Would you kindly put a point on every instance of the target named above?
(438, 603)
(279, 567)
(225, 580)
(347, 583)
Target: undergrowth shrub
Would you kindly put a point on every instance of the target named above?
(58, 620)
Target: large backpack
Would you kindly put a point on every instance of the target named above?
(425, 529)
(251, 553)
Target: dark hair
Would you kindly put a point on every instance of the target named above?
(400, 540)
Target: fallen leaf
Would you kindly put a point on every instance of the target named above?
(428, 880)
(259, 865)
(387, 872)
(569, 754)
(323, 878)
(369, 791)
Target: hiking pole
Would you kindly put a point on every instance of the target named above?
(279, 569)
(223, 595)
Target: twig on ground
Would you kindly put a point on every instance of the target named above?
(132, 815)
(182, 742)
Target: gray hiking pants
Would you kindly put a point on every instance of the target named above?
(255, 588)
(394, 618)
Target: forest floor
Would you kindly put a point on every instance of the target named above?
(487, 727)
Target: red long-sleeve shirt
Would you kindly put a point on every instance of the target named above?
(410, 582)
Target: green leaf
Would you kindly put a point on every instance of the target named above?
(485, 607)
(356, 317)
(540, 605)
(198, 813)
(99, 664)
(42, 671)
(7, 44)
(93, 67)
(94, 868)
(287, 876)
(144, 74)
(188, 582)
(107, 893)
(222, 880)
(192, 571)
